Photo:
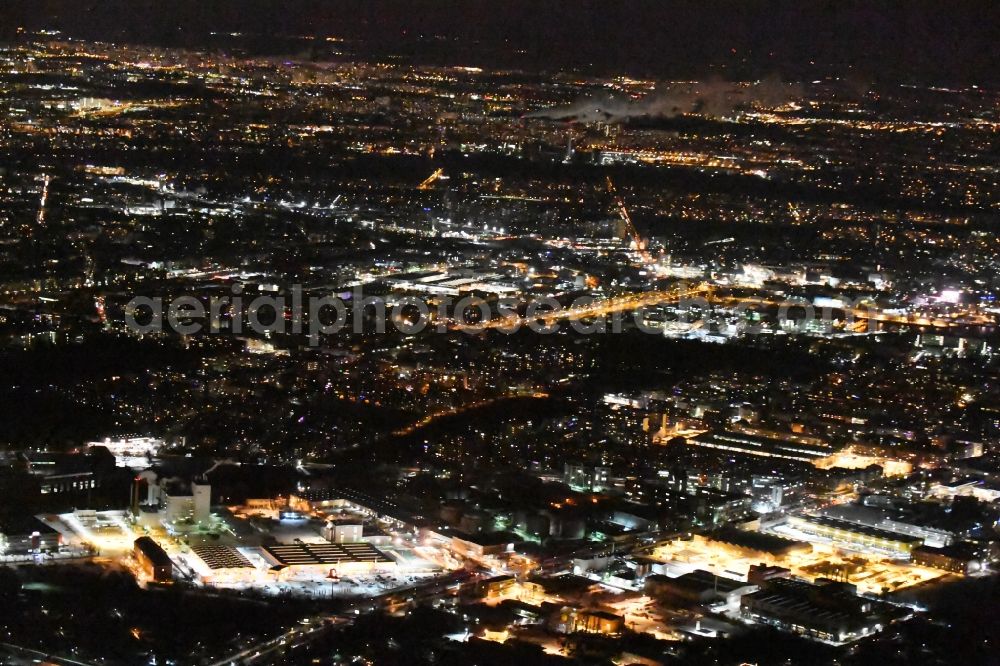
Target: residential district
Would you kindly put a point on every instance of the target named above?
(757, 416)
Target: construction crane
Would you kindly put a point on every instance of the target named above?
(426, 185)
(638, 243)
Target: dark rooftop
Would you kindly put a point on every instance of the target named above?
(305, 554)
(767, 543)
(14, 524)
(153, 552)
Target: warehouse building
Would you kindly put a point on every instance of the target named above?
(890, 520)
(153, 560)
(323, 558)
(20, 535)
(698, 587)
(828, 611)
(958, 558)
(222, 564)
(745, 543)
(857, 537)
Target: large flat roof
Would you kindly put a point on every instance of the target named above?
(221, 557)
(700, 580)
(855, 528)
(310, 554)
(153, 552)
(759, 541)
(359, 498)
(23, 525)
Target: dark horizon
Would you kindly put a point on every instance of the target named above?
(909, 42)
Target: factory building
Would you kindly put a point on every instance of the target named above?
(186, 503)
(133, 452)
(153, 560)
(698, 587)
(959, 558)
(889, 520)
(582, 477)
(981, 489)
(827, 611)
(744, 543)
(222, 564)
(454, 282)
(71, 476)
(311, 501)
(73, 482)
(498, 586)
(326, 558)
(480, 546)
(174, 503)
(26, 534)
(343, 532)
(856, 537)
(570, 620)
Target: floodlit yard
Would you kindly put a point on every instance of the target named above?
(872, 575)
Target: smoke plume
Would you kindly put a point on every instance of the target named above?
(713, 99)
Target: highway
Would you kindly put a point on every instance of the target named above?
(597, 308)
(31, 656)
(966, 318)
(636, 301)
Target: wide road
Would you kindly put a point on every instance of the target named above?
(596, 308)
(967, 316)
(16, 654)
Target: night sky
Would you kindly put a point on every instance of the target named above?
(906, 41)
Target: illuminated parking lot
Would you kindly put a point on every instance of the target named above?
(870, 574)
(107, 531)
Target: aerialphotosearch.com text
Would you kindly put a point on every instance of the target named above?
(297, 313)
